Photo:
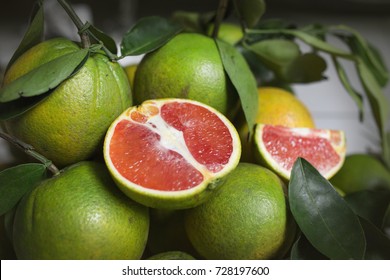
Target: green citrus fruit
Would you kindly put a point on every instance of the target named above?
(278, 147)
(188, 66)
(130, 72)
(79, 214)
(171, 153)
(70, 124)
(246, 218)
(229, 32)
(172, 255)
(361, 172)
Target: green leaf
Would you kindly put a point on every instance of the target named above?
(317, 43)
(386, 219)
(250, 11)
(242, 78)
(378, 244)
(148, 34)
(19, 106)
(378, 101)
(386, 149)
(307, 68)
(34, 33)
(193, 22)
(303, 250)
(370, 204)
(103, 38)
(356, 96)
(18, 180)
(45, 77)
(323, 216)
(360, 47)
(276, 52)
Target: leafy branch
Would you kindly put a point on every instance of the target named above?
(277, 50)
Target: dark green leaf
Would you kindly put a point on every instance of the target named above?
(18, 180)
(370, 204)
(318, 43)
(250, 11)
(34, 33)
(360, 47)
(193, 22)
(303, 250)
(103, 38)
(19, 106)
(45, 77)
(276, 52)
(378, 101)
(262, 73)
(323, 216)
(386, 219)
(378, 244)
(307, 68)
(242, 78)
(148, 34)
(356, 96)
(386, 149)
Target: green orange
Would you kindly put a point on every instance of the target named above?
(362, 172)
(69, 125)
(246, 218)
(79, 214)
(229, 32)
(188, 66)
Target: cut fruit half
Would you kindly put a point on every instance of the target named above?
(279, 147)
(170, 153)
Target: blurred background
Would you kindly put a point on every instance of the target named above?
(327, 100)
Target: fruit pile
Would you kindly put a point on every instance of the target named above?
(182, 156)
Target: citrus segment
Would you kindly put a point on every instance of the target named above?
(280, 146)
(164, 153)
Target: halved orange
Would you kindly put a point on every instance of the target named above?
(279, 147)
(171, 153)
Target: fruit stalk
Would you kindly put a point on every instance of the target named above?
(85, 41)
(28, 149)
(222, 7)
